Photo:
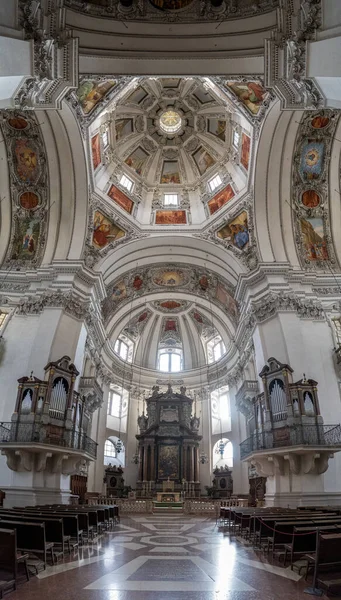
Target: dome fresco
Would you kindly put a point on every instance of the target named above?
(177, 151)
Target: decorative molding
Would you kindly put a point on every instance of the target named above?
(55, 55)
(285, 57)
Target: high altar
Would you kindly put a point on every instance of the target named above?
(168, 446)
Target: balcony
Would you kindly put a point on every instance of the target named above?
(31, 445)
(245, 395)
(305, 448)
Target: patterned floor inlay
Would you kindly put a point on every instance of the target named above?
(164, 558)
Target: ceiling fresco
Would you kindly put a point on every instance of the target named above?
(171, 135)
(310, 189)
(29, 181)
(179, 11)
(197, 282)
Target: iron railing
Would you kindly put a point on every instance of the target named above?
(296, 435)
(28, 433)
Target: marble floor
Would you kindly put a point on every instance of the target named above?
(164, 557)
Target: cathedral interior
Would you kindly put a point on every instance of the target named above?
(170, 299)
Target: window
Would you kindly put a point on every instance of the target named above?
(171, 200)
(109, 449)
(105, 139)
(215, 182)
(170, 362)
(218, 350)
(224, 406)
(337, 326)
(114, 404)
(236, 138)
(121, 348)
(126, 183)
(3, 317)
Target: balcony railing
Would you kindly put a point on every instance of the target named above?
(297, 435)
(28, 433)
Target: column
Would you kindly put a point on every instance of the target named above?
(152, 463)
(140, 463)
(145, 462)
(98, 433)
(191, 450)
(132, 472)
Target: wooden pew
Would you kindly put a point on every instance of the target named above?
(283, 530)
(70, 522)
(304, 540)
(31, 538)
(328, 554)
(54, 528)
(8, 560)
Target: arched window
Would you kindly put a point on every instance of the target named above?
(170, 361)
(110, 449)
(223, 453)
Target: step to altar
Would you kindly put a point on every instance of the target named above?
(168, 507)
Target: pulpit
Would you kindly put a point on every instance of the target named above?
(168, 445)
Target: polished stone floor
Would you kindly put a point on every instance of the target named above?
(165, 557)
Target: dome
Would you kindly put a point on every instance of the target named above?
(172, 151)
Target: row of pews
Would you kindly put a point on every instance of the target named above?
(35, 534)
(311, 534)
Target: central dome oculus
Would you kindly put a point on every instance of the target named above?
(170, 121)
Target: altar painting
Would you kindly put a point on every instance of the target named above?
(123, 128)
(203, 160)
(137, 159)
(220, 199)
(225, 298)
(245, 151)
(91, 92)
(217, 127)
(25, 243)
(168, 463)
(96, 151)
(236, 231)
(170, 217)
(26, 159)
(105, 231)
(251, 93)
(169, 278)
(121, 199)
(314, 241)
(312, 160)
(170, 172)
